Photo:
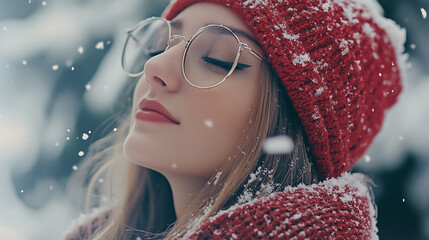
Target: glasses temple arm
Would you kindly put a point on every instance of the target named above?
(144, 49)
(251, 51)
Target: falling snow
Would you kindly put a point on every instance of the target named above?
(367, 158)
(208, 123)
(424, 13)
(55, 67)
(85, 136)
(75, 168)
(80, 50)
(81, 153)
(99, 45)
(24, 62)
(278, 145)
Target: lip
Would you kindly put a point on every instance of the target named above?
(153, 111)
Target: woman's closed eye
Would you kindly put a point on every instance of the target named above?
(216, 64)
(154, 53)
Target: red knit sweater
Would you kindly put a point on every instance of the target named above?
(339, 208)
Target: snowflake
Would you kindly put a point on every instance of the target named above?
(99, 45)
(301, 59)
(255, 3)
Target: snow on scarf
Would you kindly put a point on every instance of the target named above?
(338, 208)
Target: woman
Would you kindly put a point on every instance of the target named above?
(221, 77)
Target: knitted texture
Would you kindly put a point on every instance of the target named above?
(335, 209)
(81, 227)
(339, 208)
(337, 63)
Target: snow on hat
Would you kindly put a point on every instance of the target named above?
(340, 62)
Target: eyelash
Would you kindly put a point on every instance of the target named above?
(153, 54)
(226, 66)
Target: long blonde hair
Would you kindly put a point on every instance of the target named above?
(141, 204)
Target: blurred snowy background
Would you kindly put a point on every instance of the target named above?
(60, 79)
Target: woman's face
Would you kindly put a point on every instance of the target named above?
(209, 123)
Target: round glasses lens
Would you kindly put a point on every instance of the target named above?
(146, 41)
(210, 56)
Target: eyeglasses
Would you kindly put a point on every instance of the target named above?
(211, 55)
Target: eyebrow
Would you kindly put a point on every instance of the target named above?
(177, 24)
(243, 34)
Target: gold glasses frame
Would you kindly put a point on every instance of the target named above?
(171, 38)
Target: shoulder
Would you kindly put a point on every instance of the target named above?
(82, 226)
(339, 208)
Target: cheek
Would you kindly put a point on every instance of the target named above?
(133, 143)
(142, 89)
(216, 124)
(212, 124)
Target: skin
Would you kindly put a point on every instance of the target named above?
(190, 153)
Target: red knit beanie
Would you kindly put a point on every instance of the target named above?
(340, 62)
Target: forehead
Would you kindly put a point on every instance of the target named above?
(205, 12)
(201, 14)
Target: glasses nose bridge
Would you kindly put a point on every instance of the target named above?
(176, 36)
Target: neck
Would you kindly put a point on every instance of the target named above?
(184, 189)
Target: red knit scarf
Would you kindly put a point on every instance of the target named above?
(338, 208)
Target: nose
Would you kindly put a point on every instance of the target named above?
(164, 71)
